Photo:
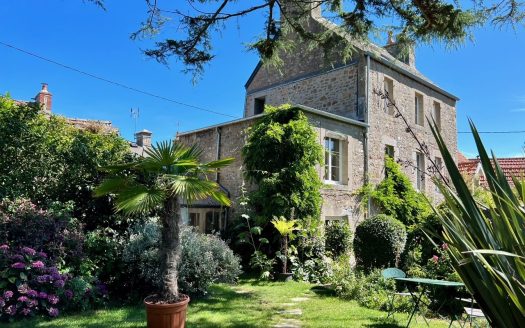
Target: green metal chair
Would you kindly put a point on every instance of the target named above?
(392, 273)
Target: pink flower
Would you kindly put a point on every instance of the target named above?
(53, 312)
(444, 246)
(37, 264)
(8, 294)
(53, 299)
(28, 251)
(435, 259)
(23, 299)
(42, 295)
(18, 265)
(4, 247)
(26, 311)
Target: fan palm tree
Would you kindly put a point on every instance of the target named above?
(172, 172)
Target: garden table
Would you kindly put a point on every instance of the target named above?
(425, 285)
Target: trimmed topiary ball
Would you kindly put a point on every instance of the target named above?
(338, 238)
(379, 242)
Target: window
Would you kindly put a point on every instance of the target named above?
(418, 108)
(331, 219)
(332, 159)
(420, 172)
(389, 151)
(195, 220)
(213, 221)
(388, 85)
(436, 114)
(258, 106)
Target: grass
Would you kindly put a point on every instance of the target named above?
(249, 304)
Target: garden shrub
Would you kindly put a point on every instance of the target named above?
(338, 238)
(205, 259)
(379, 242)
(309, 262)
(31, 285)
(53, 231)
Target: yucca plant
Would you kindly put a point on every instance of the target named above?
(170, 172)
(487, 243)
(285, 228)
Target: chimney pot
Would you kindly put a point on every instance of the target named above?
(45, 99)
(143, 138)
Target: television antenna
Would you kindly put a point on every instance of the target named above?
(135, 113)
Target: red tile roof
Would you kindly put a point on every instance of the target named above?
(512, 167)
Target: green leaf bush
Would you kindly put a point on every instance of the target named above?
(379, 242)
(338, 238)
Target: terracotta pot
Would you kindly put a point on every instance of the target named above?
(167, 315)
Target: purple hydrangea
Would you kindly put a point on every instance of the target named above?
(2, 303)
(23, 299)
(69, 294)
(18, 265)
(23, 289)
(53, 312)
(59, 283)
(32, 293)
(32, 303)
(42, 295)
(11, 310)
(37, 264)
(53, 299)
(52, 270)
(56, 276)
(17, 257)
(26, 311)
(28, 251)
(42, 254)
(4, 247)
(8, 294)
(43, 278)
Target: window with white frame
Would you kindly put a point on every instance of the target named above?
(436, 114)
(388, 86)
(419, 112)
(332, 159)
(420, 171)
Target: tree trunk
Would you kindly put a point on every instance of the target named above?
(170, 250)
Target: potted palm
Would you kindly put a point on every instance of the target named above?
(169, 173)
(285, 228)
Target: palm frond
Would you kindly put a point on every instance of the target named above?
(113, 185)
(192, 188)
(139, 199)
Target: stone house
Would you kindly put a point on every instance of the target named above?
(353, 122)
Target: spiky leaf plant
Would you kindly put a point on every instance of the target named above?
(487, 243)
(285, 228)
(170, 172)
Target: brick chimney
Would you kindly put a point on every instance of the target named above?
(143, 138)
(45, 99)
(396, 50)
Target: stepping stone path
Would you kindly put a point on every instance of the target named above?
(290, 311)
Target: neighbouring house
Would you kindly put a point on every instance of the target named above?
(44, 98)
(353, 122)
(473, 171)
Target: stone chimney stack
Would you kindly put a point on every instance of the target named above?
(45, 99)
(294, 7)
(396, 50)
(143, 138)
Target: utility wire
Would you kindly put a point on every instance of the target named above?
(494, 132)
(115, 83)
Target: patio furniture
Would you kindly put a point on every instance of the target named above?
(425, 285)
(473, 314)
(393, 273)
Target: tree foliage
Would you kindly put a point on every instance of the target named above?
(46, 159)
(200, 22)
(395, 196)
(280, 157)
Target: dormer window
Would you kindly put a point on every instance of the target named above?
(258, 105)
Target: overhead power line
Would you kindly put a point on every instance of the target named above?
(494, 132)
(147, 93)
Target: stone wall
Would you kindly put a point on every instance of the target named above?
(334, 91)
(338, 199)
(387, 129)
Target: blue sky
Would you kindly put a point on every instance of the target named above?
(488, 74)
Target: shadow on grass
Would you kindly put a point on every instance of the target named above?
(323, 291)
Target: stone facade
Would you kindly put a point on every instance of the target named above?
(340, 100)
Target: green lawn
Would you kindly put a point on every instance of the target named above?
(248, 304)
